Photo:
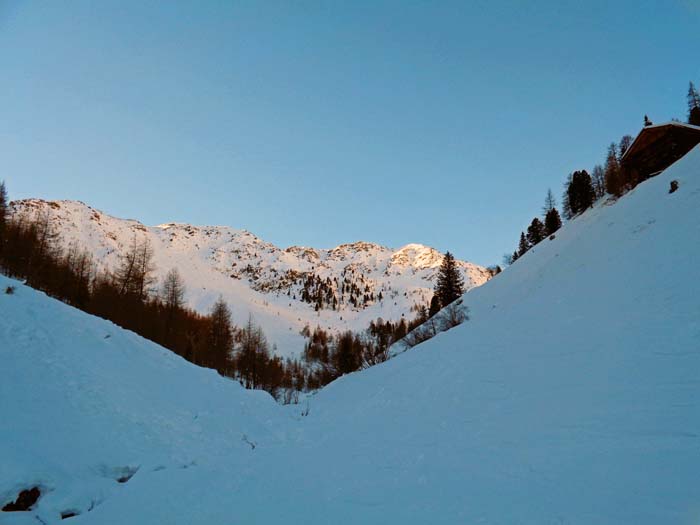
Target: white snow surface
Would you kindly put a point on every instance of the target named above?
(571, 396)
(255, 276)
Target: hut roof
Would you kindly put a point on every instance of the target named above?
(650, 133)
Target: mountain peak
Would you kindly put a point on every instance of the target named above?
(418, 256)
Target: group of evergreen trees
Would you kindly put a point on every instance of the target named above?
(579, 195)
(538, 230)
(582, 189)
(332, 293)
(613, 179)
(446, 309)
(327, 357)
(693, 106)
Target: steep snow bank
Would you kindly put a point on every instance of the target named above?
(571, 396)
(84, 402)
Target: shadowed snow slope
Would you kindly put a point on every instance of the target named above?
(84, 402)
(572, 395)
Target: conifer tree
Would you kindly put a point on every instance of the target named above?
(144, 270)
(549, 202)
(79, 271)
(450, 284)
(220, 336)
(134, 275)
(347, 354)
(434, 305)
(625, 143)
(173, 290)
(173, 299)
(586, 188)
(535, 232)
(580, 192)
(694, 116)
(252, 355)
(693, 106)
(598, 179)
(44, 251)
(565, 207)
(400, 330)
(552, 222)
(3, 217)
(523, 245)
(613, 182)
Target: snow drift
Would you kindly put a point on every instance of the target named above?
(570, 396)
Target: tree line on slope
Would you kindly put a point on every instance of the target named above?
(332, 293)
(582, 190)
(130, 297)
(327, 356)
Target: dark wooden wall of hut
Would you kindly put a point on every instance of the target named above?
(658, 150)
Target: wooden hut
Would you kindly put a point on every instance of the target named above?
(657, 147)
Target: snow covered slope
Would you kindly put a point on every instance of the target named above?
(572, 395)
(357, 282)
(84, 403)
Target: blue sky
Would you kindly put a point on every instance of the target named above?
(318, 123)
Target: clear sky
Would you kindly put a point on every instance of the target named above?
(318, 123)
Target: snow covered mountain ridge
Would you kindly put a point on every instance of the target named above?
(341, 288)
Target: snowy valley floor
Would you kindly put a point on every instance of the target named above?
(572, 395)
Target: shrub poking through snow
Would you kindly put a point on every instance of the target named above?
(674, 186)
(25, 500)
(9, 290)
(452, 315)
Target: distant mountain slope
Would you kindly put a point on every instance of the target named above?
(570, 396)
(283, 289)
